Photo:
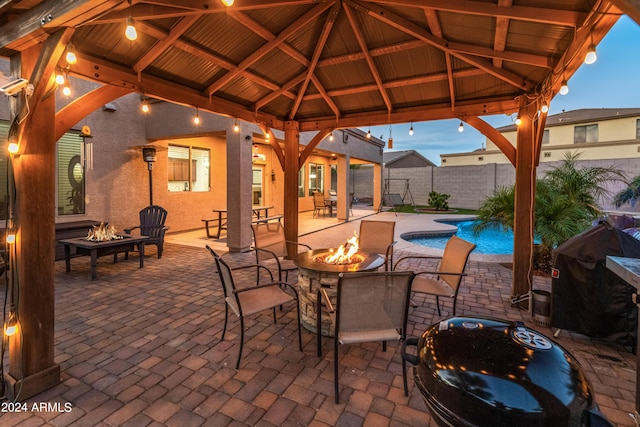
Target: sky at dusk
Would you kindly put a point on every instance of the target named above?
(613, 81)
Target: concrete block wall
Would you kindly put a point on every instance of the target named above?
(469, 186)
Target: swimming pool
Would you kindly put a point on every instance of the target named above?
(491, 241)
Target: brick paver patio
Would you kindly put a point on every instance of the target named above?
(141, 347)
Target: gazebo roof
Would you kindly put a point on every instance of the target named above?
(323, 63)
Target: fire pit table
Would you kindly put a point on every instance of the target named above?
(97, 249)
(314, 273)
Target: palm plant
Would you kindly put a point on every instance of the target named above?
(631, 194)
(566, 202)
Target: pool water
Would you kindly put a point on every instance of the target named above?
(491, 241)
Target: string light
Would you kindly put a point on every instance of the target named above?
(591, 56)
(11, 327)
(196, 119)
(227, 2)
(11, 237)
(544, 108)
(236, 127)
(331, 137)
(71, 55)
(518, 121)
(60, 77)
(411, 129)
(369, 133)
(130, 32)
(66, 90)
(564, 88)
(13, 148)
(461, 127)
(268, 136)
(145, 106)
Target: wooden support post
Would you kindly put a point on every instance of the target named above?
(524, 201)
(291, 153)
(32, 368)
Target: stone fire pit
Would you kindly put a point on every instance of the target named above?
(313, 274)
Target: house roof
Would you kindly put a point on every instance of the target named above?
(583, 115)
(322, 63)
(405, 159)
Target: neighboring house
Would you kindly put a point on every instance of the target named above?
(597, 133)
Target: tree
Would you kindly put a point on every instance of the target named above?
(631, 194)
(566, 203)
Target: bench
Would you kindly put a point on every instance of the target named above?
(223, 226)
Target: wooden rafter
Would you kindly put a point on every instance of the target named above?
(416, 31)
(436, 29)
(325, 96)
(320, 43)
(317, 139)
(269, 46)
(567, 18)
(365, 50)
(284, 90)
(492, 133)
(502, 30)
(178, 29)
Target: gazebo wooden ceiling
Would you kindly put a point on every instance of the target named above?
(294, 65)
(323, 63)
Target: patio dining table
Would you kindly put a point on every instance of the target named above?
(258, 212)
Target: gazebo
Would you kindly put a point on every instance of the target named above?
(290, 65)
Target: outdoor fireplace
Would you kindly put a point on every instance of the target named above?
(320, 268)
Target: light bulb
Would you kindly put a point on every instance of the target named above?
(236, 127)
(268, 136)
(227, 2)
(591, 56)
(369, 134)
(411, 130)
(11, 327)
(544, 108)
(196, 120)
(461, 127)
(11, 237)
(331, 136)
(60, 78)
(145, 106)
(13, 148)
(518, 121)
(130, 32)
(66, 90)
(564, 89)
(71, 55)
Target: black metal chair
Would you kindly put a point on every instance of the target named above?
(247, 300)
(152, 219)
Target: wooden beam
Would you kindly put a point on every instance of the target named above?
(545, 15)
(525, 188)
(81, 107)
(365, 50)
(317, 139)
(291, 148)
(496, 137)
(269, 46)
(629, 7)
(420, 33)
(323, 93)
(320, 43)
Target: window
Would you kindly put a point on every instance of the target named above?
(586, 133)
(70, 171)
(545, 136)
(188, 169)
(638, 129)
(301, 181)
(316, 178)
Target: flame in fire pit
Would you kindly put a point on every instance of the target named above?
(346, 254)
(102, 233)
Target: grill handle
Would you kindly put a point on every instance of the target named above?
(411, 358)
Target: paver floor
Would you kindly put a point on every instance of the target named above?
(142, 347)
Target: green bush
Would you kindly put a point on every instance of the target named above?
(439, 201)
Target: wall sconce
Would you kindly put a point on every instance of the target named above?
(273, 175)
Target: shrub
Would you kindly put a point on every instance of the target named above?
(439, 201)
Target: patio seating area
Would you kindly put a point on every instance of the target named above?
(142, 347)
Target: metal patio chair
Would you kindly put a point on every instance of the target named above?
(377, 237)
